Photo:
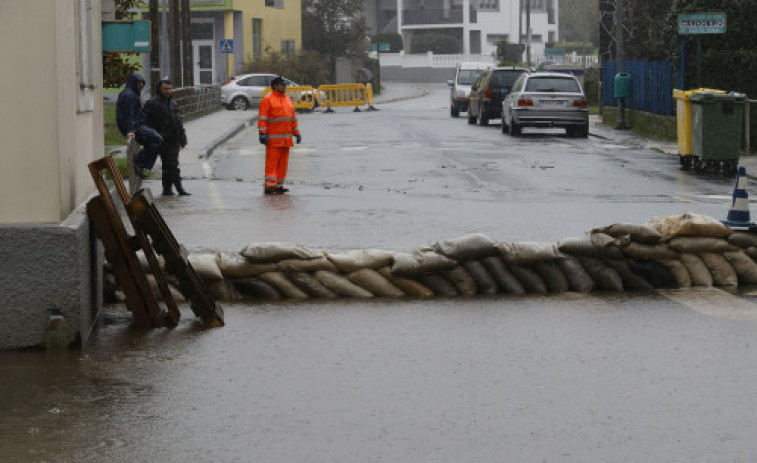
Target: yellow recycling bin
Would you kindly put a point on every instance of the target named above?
(684, 122)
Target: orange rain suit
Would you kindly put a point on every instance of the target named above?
(277, 120)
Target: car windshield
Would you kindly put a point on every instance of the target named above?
(504, 78)
(468, 76)
(552, 84)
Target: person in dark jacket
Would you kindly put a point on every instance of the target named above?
(131, 123)
(162, 113)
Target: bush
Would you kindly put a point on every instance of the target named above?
(435, 42)
(306, 67)
(392, 38)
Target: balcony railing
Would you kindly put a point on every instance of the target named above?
(453, 15)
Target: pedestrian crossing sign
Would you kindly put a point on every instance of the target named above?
(226, 46)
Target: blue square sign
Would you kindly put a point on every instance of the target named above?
(226, 46)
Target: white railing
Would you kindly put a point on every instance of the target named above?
(449, 61)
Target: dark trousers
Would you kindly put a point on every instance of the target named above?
(151, 142)
(170, 159)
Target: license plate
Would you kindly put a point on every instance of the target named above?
(552, 103)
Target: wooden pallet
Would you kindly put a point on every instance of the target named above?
(120, 250)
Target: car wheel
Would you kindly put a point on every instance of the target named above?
(454, 111)
(570, 131)
(504, 124)
(239, 103)
(483, 120)
(514, 129)
(584, 132)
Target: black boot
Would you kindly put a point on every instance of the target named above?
(167, 184)
(181, 189)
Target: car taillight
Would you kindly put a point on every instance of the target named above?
(488, 92)
(525, 102)
(580, 103)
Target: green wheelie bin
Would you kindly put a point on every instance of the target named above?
(717, 122)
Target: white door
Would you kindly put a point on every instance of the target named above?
(204, 61)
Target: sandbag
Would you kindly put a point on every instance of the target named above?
(527, 252)
(722, 272)
(631, 281)
(504, 278)
(310, 285)
(155, 289)
(438, 284)
(341, 285)
(649, 251)
(603, 240)
(579, 280)
(235, 267)
(206, 266)
(751, 252)
(654, 272)
(373, 282)
(679, 271)
(420, 262)
(530, 280)
(464, 283)
(743, 239)
(283, 285)
(307, 265)
(275, 252)
(688, 224)
(552, 276)
(221, 290)
(745, 267)
(357, 259)
(583, 247)
(699, 244)
(637, 233)
(604, 277)
(410, 287)
(146, 265)
(468, 247)
(699, 273)
(254, 288)
(484, 280)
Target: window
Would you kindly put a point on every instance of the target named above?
(552, 36)
(552, 84)
(201, 30)
(488, 5)
(494, 38)
(85, 56)
(275, 3)
(256, 81)
(287, 47)
(257, 31)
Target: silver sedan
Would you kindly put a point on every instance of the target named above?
(546, 99)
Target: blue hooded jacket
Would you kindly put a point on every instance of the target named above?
(129, 106)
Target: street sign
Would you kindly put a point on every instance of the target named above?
(381, 46)
(126, 36)
(701, 23)
(226, 46)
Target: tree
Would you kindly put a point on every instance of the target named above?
(118, 66)
(334, 28)
(579, 21)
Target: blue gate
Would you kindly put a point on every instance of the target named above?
(652, 84)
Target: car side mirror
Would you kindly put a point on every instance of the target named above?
(449, 83)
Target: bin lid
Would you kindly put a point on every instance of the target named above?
(687, 94)
(703, 97)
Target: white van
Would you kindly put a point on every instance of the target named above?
(466, 74)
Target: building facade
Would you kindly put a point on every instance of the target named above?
(476, 24)
(249, 26)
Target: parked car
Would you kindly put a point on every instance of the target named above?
(466, 74)
(246, 90)
(487, 93)
(546, 99)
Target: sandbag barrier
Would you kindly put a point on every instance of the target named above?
(667, 252)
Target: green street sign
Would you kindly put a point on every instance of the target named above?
(122, 36)
(381, 46)
(701, 23)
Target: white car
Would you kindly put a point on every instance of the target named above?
(466, 74)
(246, 90)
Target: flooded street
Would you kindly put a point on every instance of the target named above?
(569, 378)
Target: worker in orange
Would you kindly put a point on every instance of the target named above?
(277, 124)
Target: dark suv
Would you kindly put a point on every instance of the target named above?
(487, 93)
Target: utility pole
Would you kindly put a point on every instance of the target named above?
(186, 45)
(175, 46)
(154, 47)
(528, 33)
(620, 57)
(520, 29)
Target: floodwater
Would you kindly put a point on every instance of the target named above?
(569, 378)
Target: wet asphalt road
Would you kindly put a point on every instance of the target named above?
(666, 376)
(409, 175)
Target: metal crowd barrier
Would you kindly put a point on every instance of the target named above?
(305, 96)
